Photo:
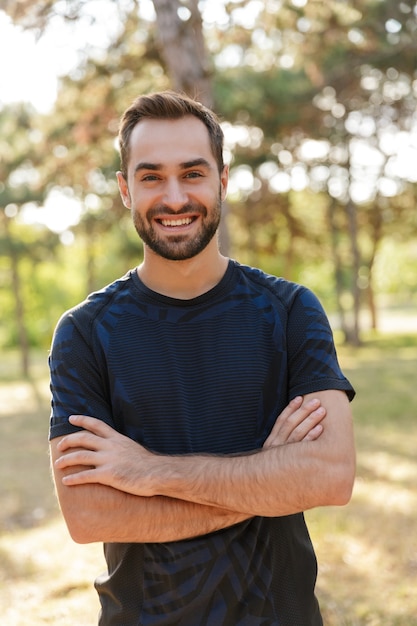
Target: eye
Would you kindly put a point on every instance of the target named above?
(149, 178)
(193, 174)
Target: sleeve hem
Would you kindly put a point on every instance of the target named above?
(323, 385)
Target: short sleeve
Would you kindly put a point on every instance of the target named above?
(77, 381)
(313, 363)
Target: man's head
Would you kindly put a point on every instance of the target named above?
(173, 178)
(168, 105)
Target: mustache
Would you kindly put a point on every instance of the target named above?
(160, 210)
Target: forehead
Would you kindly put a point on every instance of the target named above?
(169, 142)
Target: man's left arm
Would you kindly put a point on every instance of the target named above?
(274, 481)
(277, 481)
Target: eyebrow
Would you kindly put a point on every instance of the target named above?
(143, 165)
(195, 163)
(147, 166)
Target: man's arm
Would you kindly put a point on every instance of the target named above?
(95, 512)
(99, 512)
(275, 481)
(272, 482)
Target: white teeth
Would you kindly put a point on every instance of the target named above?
(180, 222)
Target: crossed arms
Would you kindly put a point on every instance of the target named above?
(112, 489)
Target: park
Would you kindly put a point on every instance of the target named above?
(317, 103)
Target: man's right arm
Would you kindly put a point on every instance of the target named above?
(100, 513)
(95, 512)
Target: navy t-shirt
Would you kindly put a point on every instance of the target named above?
(206, 375)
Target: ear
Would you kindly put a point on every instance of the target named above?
(124, 190)
(224, 179)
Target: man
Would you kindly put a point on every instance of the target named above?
(167, 386)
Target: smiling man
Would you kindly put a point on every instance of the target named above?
(198, 407)
(183, 227)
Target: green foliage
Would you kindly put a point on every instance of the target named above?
(272, 99)
(303, 71)
(396, 270)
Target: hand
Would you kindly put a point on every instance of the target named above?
(299, 421)
(100, 454)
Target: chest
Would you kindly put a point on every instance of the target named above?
(198, 385)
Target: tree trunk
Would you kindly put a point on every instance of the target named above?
(354, 339)
(376, 221)
(90, 254)
(337, 264)
(183, 49)
(19, 306)
(288, 255)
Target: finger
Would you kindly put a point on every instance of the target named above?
(84, 477)
(282, 418)
(80, 457)
(314, 433)
(302, 429)
(298, 425)
(80, 439)
(290, 419)
(92, 424)
(291, 407)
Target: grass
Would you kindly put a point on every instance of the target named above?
(367, 551)
(44, 577)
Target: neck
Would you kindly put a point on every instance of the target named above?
(183, 279)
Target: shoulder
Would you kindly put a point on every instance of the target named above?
(96, 306)
(282, 291)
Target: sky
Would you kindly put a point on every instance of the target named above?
(30, 65)
(29, 72)
(29, 68)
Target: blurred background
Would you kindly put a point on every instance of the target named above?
(318, 105)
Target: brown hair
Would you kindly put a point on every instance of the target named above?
(168, 105)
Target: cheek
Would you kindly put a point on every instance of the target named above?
(142, 198)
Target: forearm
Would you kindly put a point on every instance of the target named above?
(279, 481)
(271, 483)
(101, 513)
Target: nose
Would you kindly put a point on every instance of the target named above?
(175, 195)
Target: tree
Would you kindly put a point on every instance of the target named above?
(20, 187)
(345, 68)
(182, 47)
(307, 90)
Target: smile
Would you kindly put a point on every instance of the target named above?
(178, 222)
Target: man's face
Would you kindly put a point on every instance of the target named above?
(173, 186)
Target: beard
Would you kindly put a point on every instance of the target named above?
(178, 247)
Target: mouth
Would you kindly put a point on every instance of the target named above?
(175, 223)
